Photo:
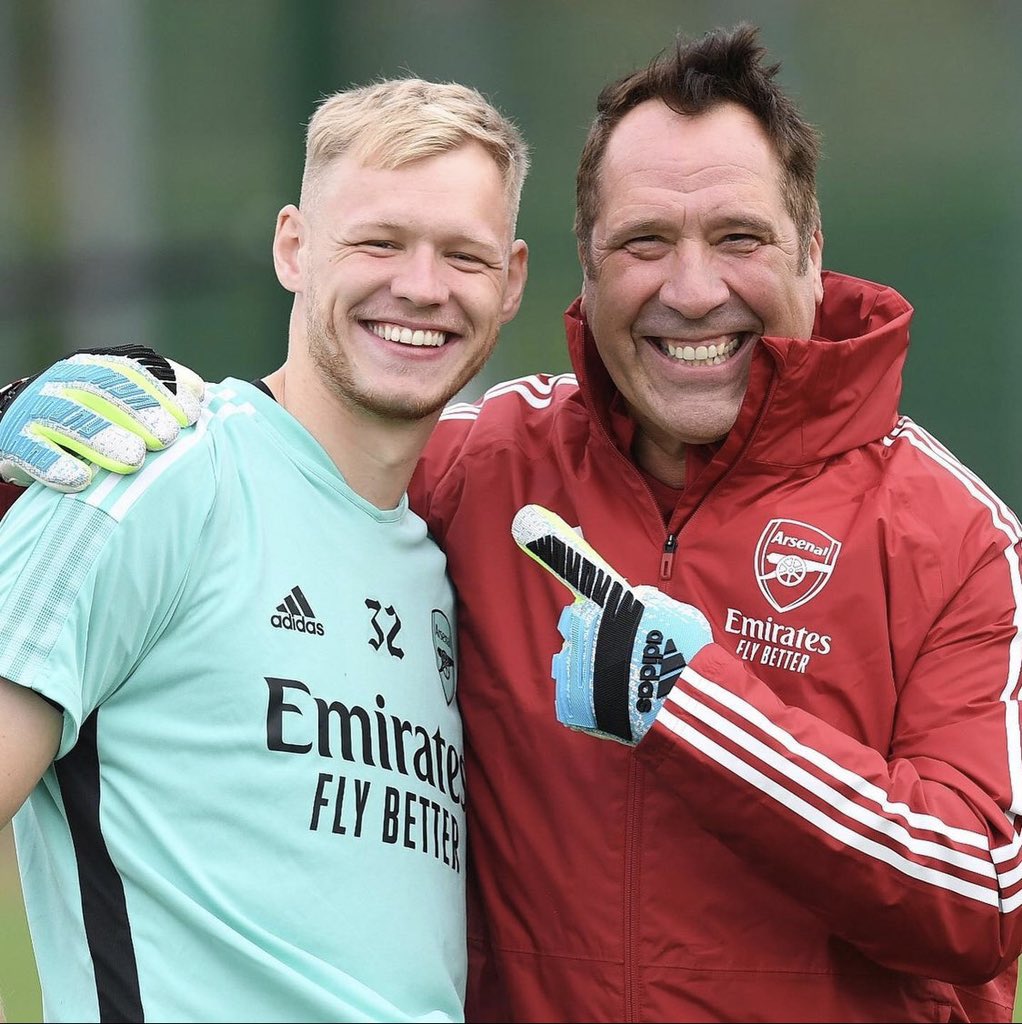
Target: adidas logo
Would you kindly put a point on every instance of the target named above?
(661, 665)
(294, 612)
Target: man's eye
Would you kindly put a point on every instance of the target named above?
(646, 245)
(377, 243)
(739, 239)
(470, 261)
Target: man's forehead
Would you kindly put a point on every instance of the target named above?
(655, 153)
(424, 198)
(652, 132)
(467, 174)
(385, 160)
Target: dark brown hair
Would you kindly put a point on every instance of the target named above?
(724, 66)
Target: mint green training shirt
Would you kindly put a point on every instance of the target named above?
(257, 808)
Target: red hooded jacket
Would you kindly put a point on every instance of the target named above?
(821, 824)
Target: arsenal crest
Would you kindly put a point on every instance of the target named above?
(794, 561)
(443, 647)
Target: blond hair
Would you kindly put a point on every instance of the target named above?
(394, 122)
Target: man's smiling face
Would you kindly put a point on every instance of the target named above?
(693, 258)
(408, 274)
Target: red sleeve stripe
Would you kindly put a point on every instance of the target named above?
(826, 823)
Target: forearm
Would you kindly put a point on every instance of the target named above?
(910, 859)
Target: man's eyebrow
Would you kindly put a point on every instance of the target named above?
(645, 226)
(742, 219)
(369, 226)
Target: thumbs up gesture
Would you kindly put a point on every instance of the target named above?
(624, 646)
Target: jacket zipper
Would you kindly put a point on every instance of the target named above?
(667, 558)
(739, 455)
(631, 924)
(633, 825)
(633, 883)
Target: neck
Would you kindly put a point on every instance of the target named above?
(375, 456)
(667, 464)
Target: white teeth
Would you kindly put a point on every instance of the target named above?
(702, 355)
(405, 335)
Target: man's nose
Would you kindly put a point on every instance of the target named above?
(420, 278)
(693, 285)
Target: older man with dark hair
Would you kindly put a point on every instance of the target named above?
(812, 817)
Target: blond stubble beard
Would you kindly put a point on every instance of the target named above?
(334, 372)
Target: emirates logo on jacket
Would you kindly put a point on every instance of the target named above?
(794, 562)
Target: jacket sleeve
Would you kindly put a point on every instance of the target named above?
(912, 854)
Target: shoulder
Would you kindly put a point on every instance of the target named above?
(516, 415)
(515, 412)
(175, 487)
(189, 472)
(516, 423)
(937, 493)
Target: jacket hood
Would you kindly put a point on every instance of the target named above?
(807, 399)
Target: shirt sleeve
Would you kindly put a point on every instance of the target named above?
(88, 581)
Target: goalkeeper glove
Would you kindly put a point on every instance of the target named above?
(107, 405)
(624, 646)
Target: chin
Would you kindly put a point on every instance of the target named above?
(403, 406)
(402, 410)
(705, 429)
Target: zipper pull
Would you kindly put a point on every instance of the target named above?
(667, 558)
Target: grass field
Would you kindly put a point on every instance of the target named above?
(19, 988)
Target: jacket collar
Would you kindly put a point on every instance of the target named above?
(808, 399)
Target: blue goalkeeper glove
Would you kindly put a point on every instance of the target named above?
(106, 405)
(624, 646)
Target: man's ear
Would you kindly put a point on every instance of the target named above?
(517, 275)
(288, 239)
(584, 264)
(816, 263)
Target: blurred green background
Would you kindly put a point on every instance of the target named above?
(146, 146)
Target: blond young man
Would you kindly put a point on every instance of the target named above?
(229, 721)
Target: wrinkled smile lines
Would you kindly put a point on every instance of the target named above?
(406, 335)
(702, 354)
